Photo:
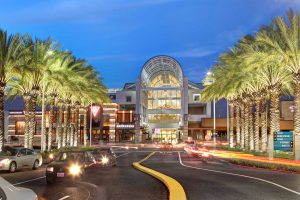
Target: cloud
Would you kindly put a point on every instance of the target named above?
(195, 73)
(290, 3)
(115, 57)
(75, 10)
(193, 53)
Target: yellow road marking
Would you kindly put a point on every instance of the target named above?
(176, 191)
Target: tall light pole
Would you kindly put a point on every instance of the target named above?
(214, 108)
(93, 112)
(91, 119)
(227, 120)
(214, 131)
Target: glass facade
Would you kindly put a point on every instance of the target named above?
(161, 101)
(165, 135)
(164, 80)
(163, 118)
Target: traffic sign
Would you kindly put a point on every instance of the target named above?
(284, 141)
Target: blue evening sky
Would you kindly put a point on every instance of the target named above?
(119, 36)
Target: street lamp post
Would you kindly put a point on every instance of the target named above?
(227, 121)
(93, 112)
(214, 131)
(214, 108)
(91, 119)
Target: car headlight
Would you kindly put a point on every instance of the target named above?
(49, 169)
(51, 156)
(205, 155)
(104, 160)
(6, 160)
(74, 169)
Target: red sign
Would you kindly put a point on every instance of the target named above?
(95, 110)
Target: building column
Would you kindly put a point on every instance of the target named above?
(138, 136)
(184, 109)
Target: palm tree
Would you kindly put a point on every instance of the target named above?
(283, 40)
(256, 89)
(51, 116)
(19, 86)
(242, 124)
(41, 73)
(41, 57)
(57, 74)
(270, 76)
(60, 138)
(264, 125)
(10, 56)
(238, 123)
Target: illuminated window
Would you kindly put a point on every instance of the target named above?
(20, 128)
(163, 118)
(164, 80)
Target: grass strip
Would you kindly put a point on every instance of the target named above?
(265, 165)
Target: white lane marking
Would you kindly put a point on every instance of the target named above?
(123, 154)
(65, 197)
(147, 151)
(28, 180)
(240, 175)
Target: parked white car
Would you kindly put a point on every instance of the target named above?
(8, 191)
(13, 158)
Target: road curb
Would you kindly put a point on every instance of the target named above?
(176, 191)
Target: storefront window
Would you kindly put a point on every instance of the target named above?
(165, 80)
(20, 128)
(163, 118)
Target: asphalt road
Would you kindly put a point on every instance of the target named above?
(113, 183)
(210, 180)
(218, 179)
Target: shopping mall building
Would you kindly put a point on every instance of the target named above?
(162, 105)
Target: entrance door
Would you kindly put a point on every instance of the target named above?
(165, 135)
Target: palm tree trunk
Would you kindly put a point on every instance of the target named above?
(76, 125)
(71, 131)
(43, 129)
(72, 135)
(26, 99)
(69, 127)
(242, 125)
(264, 126)
(246, 125)
(296, 80)
(2, 116)
(231, 122)
(238, 125)
(251, 125)
(256, 124)
(65, 132)
(32, 120)
(85, 127)
(274, 112)
(51, 116)
(59, 125)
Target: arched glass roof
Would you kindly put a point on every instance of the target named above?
(163, 66)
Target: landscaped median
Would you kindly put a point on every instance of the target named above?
(259, 160)
(176, 191)
(266, 165)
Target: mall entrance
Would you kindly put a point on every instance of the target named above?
(165, 135)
